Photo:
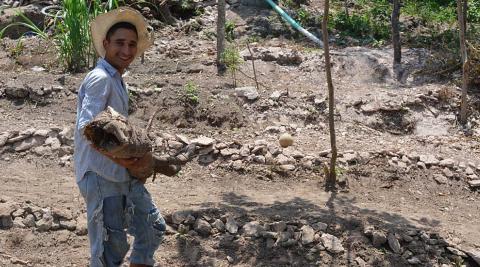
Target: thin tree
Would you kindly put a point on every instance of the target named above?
(220, 36)
(253, 66)
(397, 52)
(462, 24)
(331, 174)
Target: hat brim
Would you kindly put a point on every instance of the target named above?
(103, 22)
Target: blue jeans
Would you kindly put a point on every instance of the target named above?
(112, 208)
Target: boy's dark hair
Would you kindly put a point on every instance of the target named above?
(121, 25)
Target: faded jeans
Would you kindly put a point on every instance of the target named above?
(112, 208)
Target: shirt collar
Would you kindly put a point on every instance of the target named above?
(109, 68)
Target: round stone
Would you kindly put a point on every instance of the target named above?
(285, 140)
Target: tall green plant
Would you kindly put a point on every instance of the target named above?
(73, 35)
(230, 30)
(72, 30)
(232, 59)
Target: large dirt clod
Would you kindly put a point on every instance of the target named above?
(113, 135)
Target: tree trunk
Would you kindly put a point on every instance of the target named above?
(221, 68)
(331, 179)
(397, 49)
(461, 12)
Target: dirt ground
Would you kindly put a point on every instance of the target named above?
(387, 133)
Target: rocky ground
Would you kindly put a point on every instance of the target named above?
(408, 174)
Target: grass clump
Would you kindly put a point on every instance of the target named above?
(73, 36)
(191, 93)
(367, 21)
(232, 59)
(431, 12)
(230, 30)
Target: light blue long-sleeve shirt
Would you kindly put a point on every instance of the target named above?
(102, 87)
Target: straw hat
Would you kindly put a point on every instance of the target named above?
(103, 22)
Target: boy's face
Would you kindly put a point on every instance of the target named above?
(121, 48)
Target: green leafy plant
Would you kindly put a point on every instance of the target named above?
(73, 36)
(253, 39)
(232, 59)
(288, 3)
(303, 16)
(431, 12)
(17, 49)
(362, 26)
(230, 30)
(71, 30)
(473, 12)
(191, 93)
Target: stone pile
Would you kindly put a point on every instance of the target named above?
(28, 215)
(413, 246)
(42, 142)
(277, 234)
(417, 247)
(240, 157)
(15, 89)
(447, 168)
(283, 56)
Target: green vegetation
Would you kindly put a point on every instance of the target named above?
(72, 35)
(232, 59)
(359, 26)
(430, 24)
(473, 12)
(230, 30)
(288, 3)
(17, 49)
(191, 93)
(431, 12)
(369, 20)
(71, 32)
(304, 17)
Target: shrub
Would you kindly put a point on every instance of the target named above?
(191, 93)
(230, 30)
(232, 59)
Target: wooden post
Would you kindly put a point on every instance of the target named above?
(461, 12)
(332, 178)
(397, 48)
(221, 68)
